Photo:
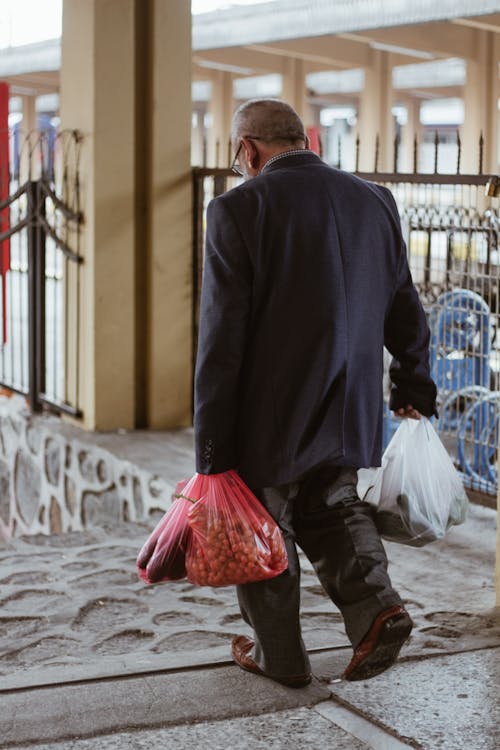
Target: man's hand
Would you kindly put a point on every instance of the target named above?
(408, 411)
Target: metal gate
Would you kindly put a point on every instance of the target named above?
(451, 226)
(39, 236)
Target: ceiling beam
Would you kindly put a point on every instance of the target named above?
(267, 59)
(33, 84)
(439, 39)
(338, 53)
(486, 23)
(431, 92)
(244, 58)
(330, 51)
(347, 100)
(201, 74)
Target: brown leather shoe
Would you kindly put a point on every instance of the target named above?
(240, 650)
(380, 647)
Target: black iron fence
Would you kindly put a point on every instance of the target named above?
(39, 241)
(451, 224)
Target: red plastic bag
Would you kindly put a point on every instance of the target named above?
(162, 557)
(234, 540)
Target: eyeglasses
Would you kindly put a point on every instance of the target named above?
(234, 166)
(236, 169)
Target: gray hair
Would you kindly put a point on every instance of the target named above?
(269, 120)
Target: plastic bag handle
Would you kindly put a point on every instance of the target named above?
(180, 496)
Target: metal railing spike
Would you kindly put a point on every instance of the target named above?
(396, 152)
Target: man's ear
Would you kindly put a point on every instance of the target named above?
(251, 152)
(308, 142)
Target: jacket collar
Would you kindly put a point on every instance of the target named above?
(295, 158)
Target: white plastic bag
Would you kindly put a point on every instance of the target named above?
(417, 491)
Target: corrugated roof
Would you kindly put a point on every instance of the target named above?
(293, 19)
(281, 19)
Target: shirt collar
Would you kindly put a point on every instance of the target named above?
(283, 154)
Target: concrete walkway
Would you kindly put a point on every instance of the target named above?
(90, 657)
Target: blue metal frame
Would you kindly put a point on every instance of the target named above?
(469, 410)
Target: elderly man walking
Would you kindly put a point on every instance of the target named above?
(305, 280)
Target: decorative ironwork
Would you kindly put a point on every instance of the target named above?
(459, 151)
(397, 141)
(436, 151)
(40, 309)
(451, 224)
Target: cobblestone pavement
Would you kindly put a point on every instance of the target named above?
(292, 729)
(74, 601)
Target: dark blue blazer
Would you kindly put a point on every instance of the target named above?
(305, 279)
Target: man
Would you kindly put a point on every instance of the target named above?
(305, 279)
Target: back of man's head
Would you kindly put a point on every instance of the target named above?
(270, 120)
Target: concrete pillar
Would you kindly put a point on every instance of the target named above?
(410, 131)
(294, 89)
(29, 121)
(169, 380)
(125, 83)
(314, 111)
(375, 114)
(27, 165)
(197, 136)
(221, 108)
(481, 93)
(97, 97)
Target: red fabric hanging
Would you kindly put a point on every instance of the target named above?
(4, 193)
(314, 139)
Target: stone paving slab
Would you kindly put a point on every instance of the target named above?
(282, 730)
(102, 707)
(121, 712)
(72, 608)
(445, 703)
(73, 604)
(74, 601)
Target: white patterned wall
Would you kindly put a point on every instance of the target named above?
(51, 484)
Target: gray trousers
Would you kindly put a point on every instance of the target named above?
(324, 516)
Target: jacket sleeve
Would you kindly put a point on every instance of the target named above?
(407, 336)
(224, 314)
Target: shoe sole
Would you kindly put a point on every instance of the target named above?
(393, 634)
